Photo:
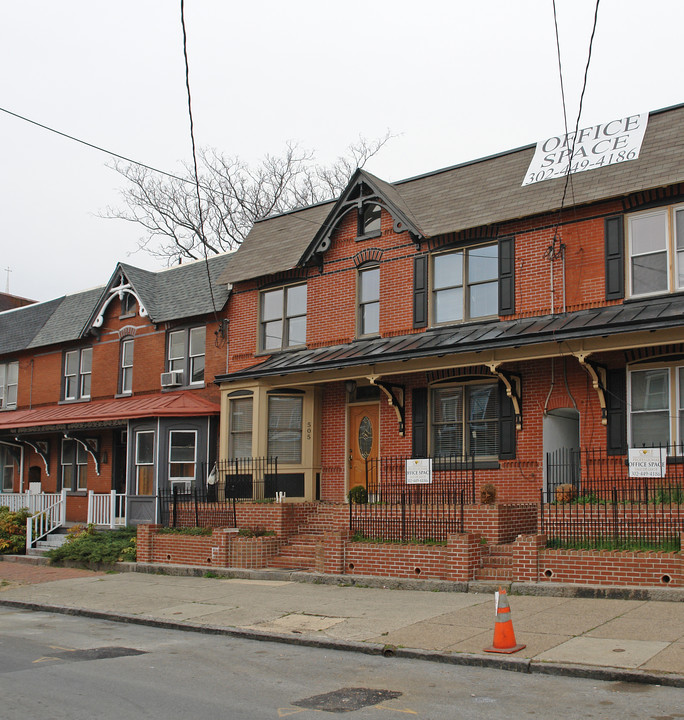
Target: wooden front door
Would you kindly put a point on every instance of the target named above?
(363, 444)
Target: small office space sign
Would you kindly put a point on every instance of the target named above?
(419, 471)
(596, 146)
(647, 462)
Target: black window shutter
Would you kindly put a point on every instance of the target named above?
(616, 407)
(420, 423)
(506, 425)
(615, 257)
(506, 276)
(420, 291)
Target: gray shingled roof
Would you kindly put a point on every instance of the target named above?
(611, 320)
(476, 194)
(19, 326)
(68, 320)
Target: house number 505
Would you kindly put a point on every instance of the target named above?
(308, 431)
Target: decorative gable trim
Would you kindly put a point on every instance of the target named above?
(123, 288)
(362, 189)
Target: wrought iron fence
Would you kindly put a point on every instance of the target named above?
(209, 501)
(406, 520)
(386, 481)
(593, 474)
(615, 518)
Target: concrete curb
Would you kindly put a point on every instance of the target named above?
(498, 662)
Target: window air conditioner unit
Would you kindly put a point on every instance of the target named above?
(172, 379)
(182, 487)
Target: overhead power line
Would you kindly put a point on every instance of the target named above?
(96, 147)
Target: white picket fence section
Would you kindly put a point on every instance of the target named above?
(107, 509)
(50, 516)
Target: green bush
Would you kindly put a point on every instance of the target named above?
(255, 532)
(358, 494)
(13, 530)
(90, 546)
(185, 531)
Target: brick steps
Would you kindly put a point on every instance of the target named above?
(300, 551)
(497, 564)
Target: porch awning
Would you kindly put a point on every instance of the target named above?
(178, 404)
(618, 319)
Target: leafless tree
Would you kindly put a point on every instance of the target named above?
(233, 196)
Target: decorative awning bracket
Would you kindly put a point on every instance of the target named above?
(599, 381)
(90, 445)
(41, 448)
(513, 384)
(396, 398)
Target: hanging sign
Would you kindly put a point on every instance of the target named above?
(419, 471)
(596, 146)
(647, 462)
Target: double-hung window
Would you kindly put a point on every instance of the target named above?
(182, 458)
(656, 251)
(369, 300)
(465, 420)
(78, 367)
(186, 350)
(656, 406)
(240, 436)
(465, 284)
(9, 381)
(6, 470)
(283, 317)
(74, 462)
(285, 428)
(126, 386)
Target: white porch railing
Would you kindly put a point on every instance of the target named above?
(107, 509)
(50, 516)
(33, 502)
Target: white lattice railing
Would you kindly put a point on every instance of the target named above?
(107, 509)
(50, 515)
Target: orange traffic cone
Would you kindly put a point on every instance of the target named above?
(504, 637)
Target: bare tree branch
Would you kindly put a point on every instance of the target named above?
(233, 196)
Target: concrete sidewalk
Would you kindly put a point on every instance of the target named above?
(638, 640)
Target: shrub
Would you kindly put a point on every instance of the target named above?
(358, 494)
(255, 532)
(90, 546)
(13, 530)
(185, 531)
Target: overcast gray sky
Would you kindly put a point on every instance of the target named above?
(453, 80)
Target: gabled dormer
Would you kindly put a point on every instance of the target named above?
(366, 195)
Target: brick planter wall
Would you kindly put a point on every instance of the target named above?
(223, 548)
(500, 523)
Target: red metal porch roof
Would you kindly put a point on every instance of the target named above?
(179, 404)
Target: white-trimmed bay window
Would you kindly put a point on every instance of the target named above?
(656, 251)
(9, 382)
(465, 284)
(144, 462)
(283, 317)
(240, 433)
(465, 420)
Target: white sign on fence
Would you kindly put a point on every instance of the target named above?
(604, 144)
(647, 462)
(419, 471)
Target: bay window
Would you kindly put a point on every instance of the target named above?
(285, 428)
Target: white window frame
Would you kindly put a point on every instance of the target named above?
(674, 269)
(464, 283)
(187, 357)
(182, 479)
(79, 465)
(365, 302)
(285, 318)
(81, 377)
(675, 405)
(9, 385)
(6, 470)
(244, 404)
(127, 367)
(145, 464)
(271, 428)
